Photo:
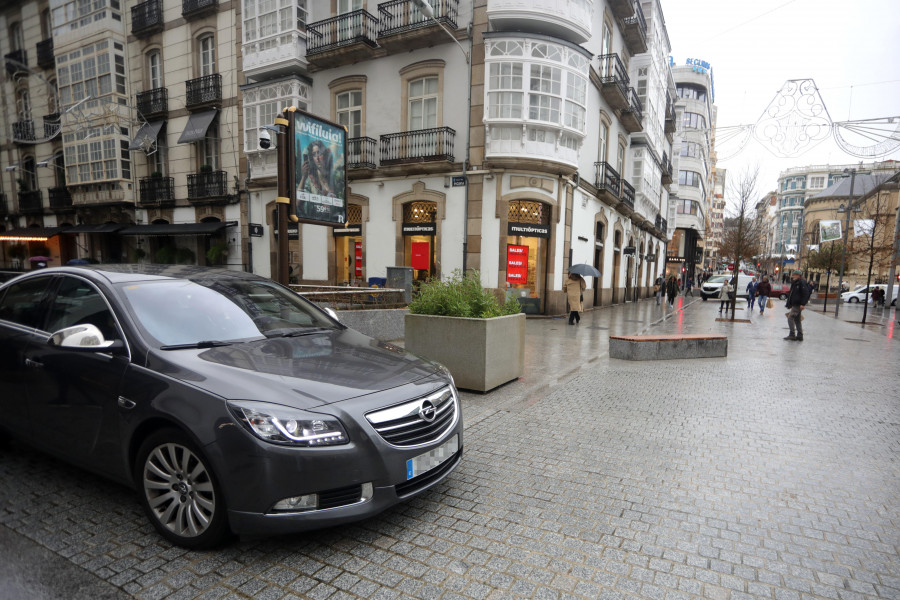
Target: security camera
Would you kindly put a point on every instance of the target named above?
(265, 140)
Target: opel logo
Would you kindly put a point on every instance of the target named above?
(428, 412)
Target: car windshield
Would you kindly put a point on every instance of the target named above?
(181, 312)
(718, 279)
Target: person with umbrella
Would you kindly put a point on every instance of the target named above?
(574, 288)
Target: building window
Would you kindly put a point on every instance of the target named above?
(345, 6)
(349, 112)
(817, 182)
(263, 103)
(691, 178)
(693, 121)
(209, 147)
(154, 69)
(423, 104)
(603, 141)
(206, 46)
(505, 90)
(620, 158)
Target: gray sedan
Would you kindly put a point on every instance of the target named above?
(227, 401)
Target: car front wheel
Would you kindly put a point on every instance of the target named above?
(853, 300)
(179, 491)
(782, 297)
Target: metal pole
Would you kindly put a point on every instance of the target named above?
(837, 304)
(283, 201)
(895, 259)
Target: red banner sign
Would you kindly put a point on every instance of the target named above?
(357, 257)
(517, 264)
(420, 252)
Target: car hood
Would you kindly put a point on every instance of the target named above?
(306, 371)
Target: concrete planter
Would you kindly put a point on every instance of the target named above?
(480, 353)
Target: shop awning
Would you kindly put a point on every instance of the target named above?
(147, 130)
(177, 228)
(102, 228)
(196, 127)
(30, 234)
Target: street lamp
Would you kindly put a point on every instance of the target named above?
(837, 303)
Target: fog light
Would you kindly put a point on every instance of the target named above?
(298, 503)
(367, 492)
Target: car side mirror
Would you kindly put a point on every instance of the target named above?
(85, 337)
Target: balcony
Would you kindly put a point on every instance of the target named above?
(203, 91)
(420, 146)
(30, 202)
(153, 103)
(147, 18)
(666, 168)
(61, 199)
(278, 55)
(613, 81)
(4, 206)
(45, 58)
(403, 27)
(23, 131)
(607, 181)
(567, 20)
(15, 61)
(51, 125)
(634, 30)
(361, 153)
(627, 197)
(207, 186)
(621, 9)
(632, 115)
(670, 125)
(196, 8)
(157, 191)
(341, 40)
(93, 196)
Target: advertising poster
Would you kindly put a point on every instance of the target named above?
(517, 264)
(420, 252)
(320, 170)
(357, 258)
(829, 231)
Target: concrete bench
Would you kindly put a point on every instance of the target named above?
(664, 347)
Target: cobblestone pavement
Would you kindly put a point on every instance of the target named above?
(772, 473)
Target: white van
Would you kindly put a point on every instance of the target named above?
(712, 286)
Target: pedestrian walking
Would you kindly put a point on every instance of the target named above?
(574, 288)
(751, 293)
(660, 288)
(725, 295)
(763, 291)
(689, 288)
(672, 290)
(796, 302)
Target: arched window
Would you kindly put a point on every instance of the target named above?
(16, 39)
(154, 69)
(206, 47)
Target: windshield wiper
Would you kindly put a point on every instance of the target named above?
(284, 332)
(203, 344)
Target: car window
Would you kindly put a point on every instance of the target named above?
(717, 279)
(22, 302)
(77, 303)
(185, 312)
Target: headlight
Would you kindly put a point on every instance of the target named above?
(291, 427)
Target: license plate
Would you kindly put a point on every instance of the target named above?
(431, 459)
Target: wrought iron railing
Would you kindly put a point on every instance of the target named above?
(190, 8)
(637, 20)
(157, 190)
(658, 221)
(60, 198)
(421, 145)
(666, 167)
(398, 16)
(361, 153)
(628, 194)
(4, 206)
(51, 125)
(14, 60)
(31, 201)
(612, 70)
(153, 102)
(45, 57)
(664, 226)
(23, 131)
(203, 90)
(342, 30)
(634, 104)
(209, 184)
(146, 17)
(606, 178)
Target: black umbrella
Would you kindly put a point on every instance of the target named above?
(584, 270)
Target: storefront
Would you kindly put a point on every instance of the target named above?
(348, 249)
(527, 245)
(419, 231)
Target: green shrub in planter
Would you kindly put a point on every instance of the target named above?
(460, 296)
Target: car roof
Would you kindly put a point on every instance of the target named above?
(124, 273)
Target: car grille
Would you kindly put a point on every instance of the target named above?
(340, 497)
(417, 422)
(425, 479)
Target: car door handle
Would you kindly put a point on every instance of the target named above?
(34, 364)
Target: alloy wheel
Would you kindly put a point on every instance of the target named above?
(178, 490)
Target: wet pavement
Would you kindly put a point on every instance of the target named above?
(771, 473)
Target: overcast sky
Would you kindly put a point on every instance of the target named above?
(850, 48)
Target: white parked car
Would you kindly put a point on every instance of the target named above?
(859, 294)
(712, 286)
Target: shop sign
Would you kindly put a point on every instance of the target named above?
(420, 252)
(357, 258)
(528, 230)
(517, 264)
(350, 230)
(419, 228)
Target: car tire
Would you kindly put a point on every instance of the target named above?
(853, 300)
(704, 298)
(179, 491)
(782, 297)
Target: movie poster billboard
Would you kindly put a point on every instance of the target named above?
(320, 171)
